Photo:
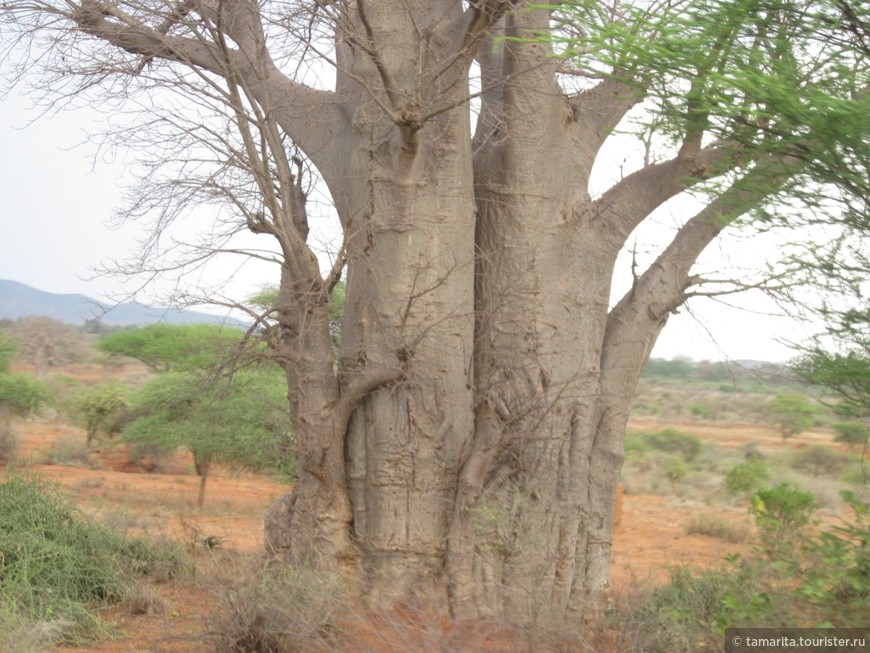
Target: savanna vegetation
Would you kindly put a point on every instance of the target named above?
(488, 357)
(787, 507)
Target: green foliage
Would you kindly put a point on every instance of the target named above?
(8, 347)
(55, 565)
(800, 580)
(852, 434)
(821, 460)
(21, 394)
(845, 371)
(781, 511)
(681, 615)
(746, 477)
(165, 347)
(267, 297)
(704, 411)
(99, 409)
(749, 75)
(668, 369)
(793, 414)
(237, 420)
(676, 470)
(835, 569)
(673, 441)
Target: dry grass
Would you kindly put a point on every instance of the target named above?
(714, 525)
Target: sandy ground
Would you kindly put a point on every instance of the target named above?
(159, 500)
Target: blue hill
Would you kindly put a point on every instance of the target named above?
(18, 300)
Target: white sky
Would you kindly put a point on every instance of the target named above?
(56, 208)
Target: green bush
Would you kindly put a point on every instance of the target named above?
(851, 434)
(704, 411)
(8, 347)
(857, 475)
(821, 460)
(836, 574)
(667, 440)
(101, 409)
(822, 579)
(56, 564)
(681, 615)
(746, 477)
(676, 470)
(781, 512)
(635, 444)
(21, 394)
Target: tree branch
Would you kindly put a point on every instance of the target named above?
(359, 388)
(626, 204)
(290, 103)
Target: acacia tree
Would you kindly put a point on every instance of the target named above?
(469, 435)
(234, 420)
(167, 347)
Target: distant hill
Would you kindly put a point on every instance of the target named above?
(18, 300)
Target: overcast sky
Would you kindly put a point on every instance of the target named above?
(57, 207)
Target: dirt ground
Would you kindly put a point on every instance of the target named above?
(159, 501)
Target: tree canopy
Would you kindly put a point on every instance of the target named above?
(239, 420)
(843, 363)
(165, 347)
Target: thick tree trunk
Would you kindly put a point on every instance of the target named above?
(484, 454)
(409, 294)
(529, 496)
(482, 282)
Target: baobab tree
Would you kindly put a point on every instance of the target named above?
(467, 439)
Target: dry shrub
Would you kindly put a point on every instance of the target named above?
(8, 441)
(279, 609)
(140, 599)
(71, 451)
(713, 525)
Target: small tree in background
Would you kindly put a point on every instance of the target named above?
(746, 477)
(100, 409)
(239, 419)
(793, 414)
(781, 512)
